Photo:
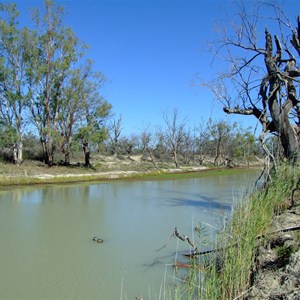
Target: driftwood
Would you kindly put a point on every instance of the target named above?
(181, 237)
(185, 238)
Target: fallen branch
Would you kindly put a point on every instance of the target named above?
(205, 252)
(185, 238)
(294, 228)
(288, 229)
(181, 237)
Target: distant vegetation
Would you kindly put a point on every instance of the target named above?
(51, 108)
(213, 144)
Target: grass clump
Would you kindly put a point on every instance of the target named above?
(227, 272)
(284, 252)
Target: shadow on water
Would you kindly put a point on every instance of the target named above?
(203, 202)
(196, 200)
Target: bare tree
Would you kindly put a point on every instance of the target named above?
(174, 133)
(202, 140)
(146, 139)
(114, 132)
(220, 133)
(263, 78)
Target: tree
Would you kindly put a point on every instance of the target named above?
(263, 73)
(220, 133)
(80, 108)
(188, 146)
(14, 88)
(146, 139)
(55, 49)
(174, 133)
(128, 145)
(95, 112)
(242, 144)
(114, 132)
(202, 140)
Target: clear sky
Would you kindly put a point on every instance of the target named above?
(151, 51)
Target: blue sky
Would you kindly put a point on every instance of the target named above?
(151, 51)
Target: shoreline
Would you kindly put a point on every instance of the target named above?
(9, 180)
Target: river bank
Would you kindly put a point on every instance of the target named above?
(276, 273)
(104, 168)
(259, 259)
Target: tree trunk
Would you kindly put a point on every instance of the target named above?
(280, 112)
(50, 154)
(20, 152)
(152, 157)
(68, 151)
(45, 154)
(15, 154)
(67, 156)
(175, 159)
(86, 151)
(289, 141)
(218, 159)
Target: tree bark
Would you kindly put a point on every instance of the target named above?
(87, 154)
(280, 113)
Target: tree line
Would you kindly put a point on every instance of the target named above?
(50, 93)
(218, 143)
(47, 86)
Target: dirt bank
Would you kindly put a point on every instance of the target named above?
(277, 269)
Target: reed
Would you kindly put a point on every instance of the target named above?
(227, 273)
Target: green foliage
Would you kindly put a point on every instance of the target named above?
(284, 252)
(40, 75)
(32, 148)
(8, 136)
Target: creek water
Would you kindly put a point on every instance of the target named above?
(47, 251)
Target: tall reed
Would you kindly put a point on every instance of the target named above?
(227, 273)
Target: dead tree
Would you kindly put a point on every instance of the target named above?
(264, 78)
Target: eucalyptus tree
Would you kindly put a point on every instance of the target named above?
(264, 72)
(55, 50)
(92, 128)
(75, 100)
(220, 133)
(242, 145)
(14, 87)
